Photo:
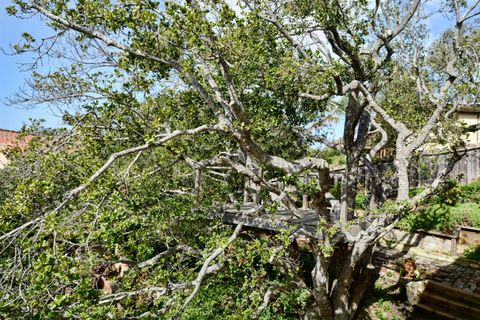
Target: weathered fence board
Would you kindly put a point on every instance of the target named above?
(425, 169)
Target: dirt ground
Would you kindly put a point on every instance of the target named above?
(386, 300)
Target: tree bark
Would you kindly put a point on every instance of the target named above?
(349, 190)
(355, 133)
(339, 281)
(401, 164)
(321, 308)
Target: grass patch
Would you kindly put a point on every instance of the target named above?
(467, 214)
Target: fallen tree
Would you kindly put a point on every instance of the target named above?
(175, 96)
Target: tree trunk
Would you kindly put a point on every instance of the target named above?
(340, 281)
(319, 202)
(349, 190)
(401, 164)
(355, 132)
(377, 190)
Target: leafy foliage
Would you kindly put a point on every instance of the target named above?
(472, 253)
(179, 108)
(451, 206)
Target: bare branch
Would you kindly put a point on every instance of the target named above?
(471, 16)
(235, 104)
(205, 269)
(72, 193)
(282, 196)
(383, 141)
(159, 291)
(266, 300)
(293, 167)
(136, 52)
(397, 125)
(127, 171)
(170, 251)
(272, 18)
(386, 38)
(323, 97)
(217, 93)
(35, 4)
(467, 15)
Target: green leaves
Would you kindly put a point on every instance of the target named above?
(138, 71)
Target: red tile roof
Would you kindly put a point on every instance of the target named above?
(11, 139)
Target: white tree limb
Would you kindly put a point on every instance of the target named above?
(74, 192)
(205, 268)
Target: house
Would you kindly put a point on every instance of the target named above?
(470, 116)
(10, 139)
(467, 114)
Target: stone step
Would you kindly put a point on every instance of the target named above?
(454, 295)
(441, 301)
(457, 309)
(425, 312)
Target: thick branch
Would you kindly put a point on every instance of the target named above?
(380, 144)
(251, 174)
(266, 300)
(397, 125)
(274, 20)
(467, 15)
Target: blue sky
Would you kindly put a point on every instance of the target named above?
(11, 79)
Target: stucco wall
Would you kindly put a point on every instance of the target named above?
(470, 119)
(3, 160)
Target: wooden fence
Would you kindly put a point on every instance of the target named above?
(424, 170)
(467, 169)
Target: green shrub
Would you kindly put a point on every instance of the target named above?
(470, 192)
(437, 217)
(472, 253)
(448, 193)
(361, 200)
(414, 191)
(333, 157)
(336, 190)
(450, 206)
(475, 217)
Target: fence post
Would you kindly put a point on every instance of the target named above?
(305, 196)
(245, 190)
